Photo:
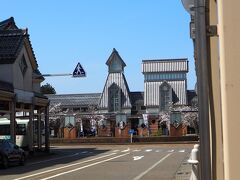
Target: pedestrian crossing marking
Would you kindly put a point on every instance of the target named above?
(126, 150)
(136, 150)
(181, 150)
(148, 150)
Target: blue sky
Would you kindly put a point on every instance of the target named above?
(65, 32)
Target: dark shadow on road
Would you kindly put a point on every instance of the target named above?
(56, 156)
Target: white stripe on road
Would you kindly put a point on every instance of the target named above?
(136, 150)
(181, 150)
(53, 159)
(148, 150)
(50, 170)
(170, 151)
(116, 150)
(83, 167)
(153, 166)
(135, 158)
(84, 152)
(126, 150)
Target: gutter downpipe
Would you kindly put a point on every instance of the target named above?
(203, 88)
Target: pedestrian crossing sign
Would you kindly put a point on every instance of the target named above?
(79, 71)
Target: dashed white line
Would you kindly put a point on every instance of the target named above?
(126, 150)
(181, 150)
(170, 150)
(136, 150)
(148, 150)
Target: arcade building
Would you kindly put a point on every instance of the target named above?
(116, 110)
(23, 109)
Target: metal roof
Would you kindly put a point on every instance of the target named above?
(75, 100)
(164, 65)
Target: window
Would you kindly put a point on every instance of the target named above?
(114, 98)
(69, 121)
(165, 96)
(21, 129)
(175, 119)
(5, 129)
(23, 65)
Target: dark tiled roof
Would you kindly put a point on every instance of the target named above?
(38, 74)
(136, 97)
(5, 86)
(11, 42)
(8, 24)
(75, 99)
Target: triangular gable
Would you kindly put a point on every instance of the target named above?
(30, 52)
(8, 24)
(113, 56)
(120, 81)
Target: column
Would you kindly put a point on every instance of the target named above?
(30, 128)
(47, 148)
(12, 107)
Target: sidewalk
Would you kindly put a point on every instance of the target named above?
(184, 171)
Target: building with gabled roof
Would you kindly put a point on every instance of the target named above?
(118, 110)
(165, 82)
(116, 95)
(20, 80)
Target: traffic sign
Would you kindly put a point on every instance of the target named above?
(130, 131)
(79, 71)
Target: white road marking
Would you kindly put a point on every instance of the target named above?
(153, 166)
(53, 159)
(84, 152)
(181, 150)
(116, 150)
(148, 150)
(50, 170)
(83, 167)
(136, 150)
(135, 158)
(126, 150)
(170, 151)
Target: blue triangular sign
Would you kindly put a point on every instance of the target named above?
(79, 71)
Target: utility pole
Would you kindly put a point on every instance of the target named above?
(197, 10)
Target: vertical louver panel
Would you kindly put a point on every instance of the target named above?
(119, 80)
(151, 89)
(174, 65)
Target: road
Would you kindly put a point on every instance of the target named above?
(105, 162)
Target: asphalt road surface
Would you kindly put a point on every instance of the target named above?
(104, 162)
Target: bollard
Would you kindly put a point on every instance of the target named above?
(194, 161)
